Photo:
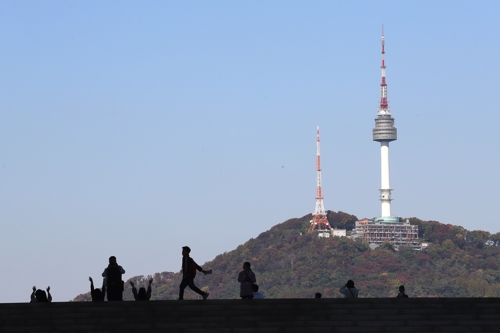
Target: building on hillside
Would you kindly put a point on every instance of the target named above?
(332, 233)
(387, 229)
(339, 232)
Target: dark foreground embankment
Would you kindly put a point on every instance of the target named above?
(269, 316)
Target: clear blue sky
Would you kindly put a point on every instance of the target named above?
(132, 128)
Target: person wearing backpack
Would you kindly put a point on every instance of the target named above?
(113, 280)
(349, 290)
(246, 278)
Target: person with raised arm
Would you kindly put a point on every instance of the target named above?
(96, 294)
(143, 295)
(39, 296)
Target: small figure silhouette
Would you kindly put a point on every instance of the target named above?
(143, 295)
(96, 294)
(189, 268)
(39, 296)
(401, 293)
(317, 295)
(349, 290)
(246, 278)
(113, 280)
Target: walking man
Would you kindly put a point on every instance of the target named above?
(189, 268)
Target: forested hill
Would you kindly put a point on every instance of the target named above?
(290, 263)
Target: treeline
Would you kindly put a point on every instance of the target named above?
(290, 263)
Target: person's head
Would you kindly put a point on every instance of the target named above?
(317, 295)
(142, 295)
(41, 296)
(401, 289)
(112, 260)
(98, 294)
(350, 284)
(246, 266)
(186, 250)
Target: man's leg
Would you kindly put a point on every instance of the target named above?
(184, 284)
(196, 289)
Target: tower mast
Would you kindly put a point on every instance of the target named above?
(319, 220)
(384, 132)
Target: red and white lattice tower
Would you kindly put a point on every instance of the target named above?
(319, 221)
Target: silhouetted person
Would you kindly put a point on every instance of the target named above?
(246, 278)
(189, 268)
(349, 290)
(113, 280)
(40, 296)
(96, 294)
(317, 295)
(402, 292)
(143, 295)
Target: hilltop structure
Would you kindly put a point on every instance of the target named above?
(386, 228)
(319, 221)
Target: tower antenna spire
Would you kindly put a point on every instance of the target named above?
(384, 104)
(319, 221)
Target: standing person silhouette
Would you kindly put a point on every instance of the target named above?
(113, 280)
(349, 290)
(246, 278)
(402, 292)
(189, 268)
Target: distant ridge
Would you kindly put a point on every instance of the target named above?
(289, 263)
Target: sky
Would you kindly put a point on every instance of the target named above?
(133, 128)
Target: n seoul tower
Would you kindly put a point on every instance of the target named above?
(384, 132)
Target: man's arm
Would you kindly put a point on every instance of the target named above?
(105, 273)
(134, 291)
(198, 267)
(121, 269)
(49, 296)
(91, 286)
